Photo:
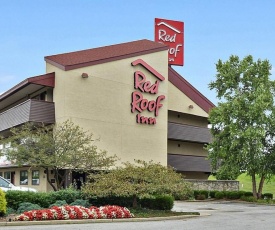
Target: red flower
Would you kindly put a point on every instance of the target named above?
(76, 212)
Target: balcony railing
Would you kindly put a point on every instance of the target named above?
(190, 133)
(28, 111)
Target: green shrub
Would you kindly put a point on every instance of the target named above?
(219, 195)
(249, 198)
(164, 202)
(80, 202)
(43, 199)
(225, 194)
(241, 193)
(205, 193)
(268, 196)
(147, 202)
(69, 195)
(212, 193)
(248, 194)
(198, 193)
(233, 195)
(3, 203)
(27, 206)
(200, 197)
(159, 202)
(58, 203)
(111, 200)
(14, 198)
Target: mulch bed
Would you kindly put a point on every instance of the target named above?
(8, 218)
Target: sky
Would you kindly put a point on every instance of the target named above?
(213, 30)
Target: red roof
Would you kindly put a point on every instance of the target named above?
(42, 80)
(83, 58)
(190, 91)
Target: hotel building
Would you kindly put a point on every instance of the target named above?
(127, 95)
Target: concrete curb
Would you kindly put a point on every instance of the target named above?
(90, 221)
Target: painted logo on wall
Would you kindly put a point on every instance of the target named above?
(142, 87)
(170, 33)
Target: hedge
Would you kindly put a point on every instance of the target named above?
(15, 198)
(201, 194)
(160, 202)
(69, 196)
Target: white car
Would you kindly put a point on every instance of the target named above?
(5, 185)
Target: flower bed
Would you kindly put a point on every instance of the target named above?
(76, 212)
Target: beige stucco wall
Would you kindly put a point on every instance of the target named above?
(186, 148)
(178, 101)
(101, 104)
(43, 184)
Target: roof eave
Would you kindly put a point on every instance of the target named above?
(44, 80)
(105, 60)
(190, 91)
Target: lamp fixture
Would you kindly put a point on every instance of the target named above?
(84, 75)
(190, 106)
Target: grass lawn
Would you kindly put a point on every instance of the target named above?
(146, 213)
(246, 183)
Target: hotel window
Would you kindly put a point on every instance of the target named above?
(7, 176)
(35, 177)
(24, 177)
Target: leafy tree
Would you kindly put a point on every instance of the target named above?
(136, 180)
(61, 148)
(243, 123)
(227, 172)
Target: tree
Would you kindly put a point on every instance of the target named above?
(227, 171)
(243, 123)
(61, 148)
(137, 180)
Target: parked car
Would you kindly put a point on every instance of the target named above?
(5, 185)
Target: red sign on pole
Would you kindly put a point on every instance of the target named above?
(170, 33)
